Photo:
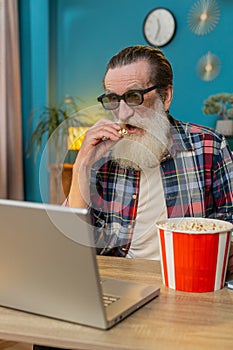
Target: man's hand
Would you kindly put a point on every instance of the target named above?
(98, 140)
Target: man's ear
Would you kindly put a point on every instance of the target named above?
(168, 97)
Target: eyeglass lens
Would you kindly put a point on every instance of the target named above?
(132, 98)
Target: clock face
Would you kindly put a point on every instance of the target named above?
(159, 27)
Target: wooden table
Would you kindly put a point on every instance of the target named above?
(174, 320)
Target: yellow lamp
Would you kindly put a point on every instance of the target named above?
(76, 135)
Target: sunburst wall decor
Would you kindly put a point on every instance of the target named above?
(208, 67)
(203, 16)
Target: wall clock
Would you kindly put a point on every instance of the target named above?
(159, 26)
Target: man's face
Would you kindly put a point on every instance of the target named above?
(134, 76)
(147, 124)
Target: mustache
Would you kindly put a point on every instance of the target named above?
(143, 120)
(132, 122)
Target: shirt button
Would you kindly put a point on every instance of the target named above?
(134, 196)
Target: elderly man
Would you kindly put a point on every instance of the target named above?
(144, 165)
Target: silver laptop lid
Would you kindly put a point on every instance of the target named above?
(48, 263)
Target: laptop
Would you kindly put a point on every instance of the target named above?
(48, 267)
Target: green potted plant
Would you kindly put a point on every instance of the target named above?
(61, 128)
(51, 130)
(222, 105)
(49, 118)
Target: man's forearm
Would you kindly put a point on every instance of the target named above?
(79, 196)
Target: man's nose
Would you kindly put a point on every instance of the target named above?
(124, 111)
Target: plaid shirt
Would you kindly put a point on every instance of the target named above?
(197, 177)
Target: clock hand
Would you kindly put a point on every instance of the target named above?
(158, 28)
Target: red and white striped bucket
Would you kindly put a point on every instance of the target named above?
(194, 261)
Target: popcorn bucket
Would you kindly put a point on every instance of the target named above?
(194, 253)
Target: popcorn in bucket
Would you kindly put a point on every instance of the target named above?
(194, 253)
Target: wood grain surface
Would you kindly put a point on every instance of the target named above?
(175, 320)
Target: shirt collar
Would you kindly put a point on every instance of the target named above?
(180, 140)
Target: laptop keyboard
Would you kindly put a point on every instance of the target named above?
(109, 299)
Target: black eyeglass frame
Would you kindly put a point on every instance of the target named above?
(123, 97)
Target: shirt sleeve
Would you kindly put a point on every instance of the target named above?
(223, 182)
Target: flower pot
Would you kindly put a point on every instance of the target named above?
(225, 127)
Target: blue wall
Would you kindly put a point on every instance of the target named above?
(34, 46)
(86, 33)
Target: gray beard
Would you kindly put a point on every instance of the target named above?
(145, 151)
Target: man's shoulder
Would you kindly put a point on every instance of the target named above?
(189, 136)
(197, 129)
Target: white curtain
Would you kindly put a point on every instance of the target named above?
(11, 155)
